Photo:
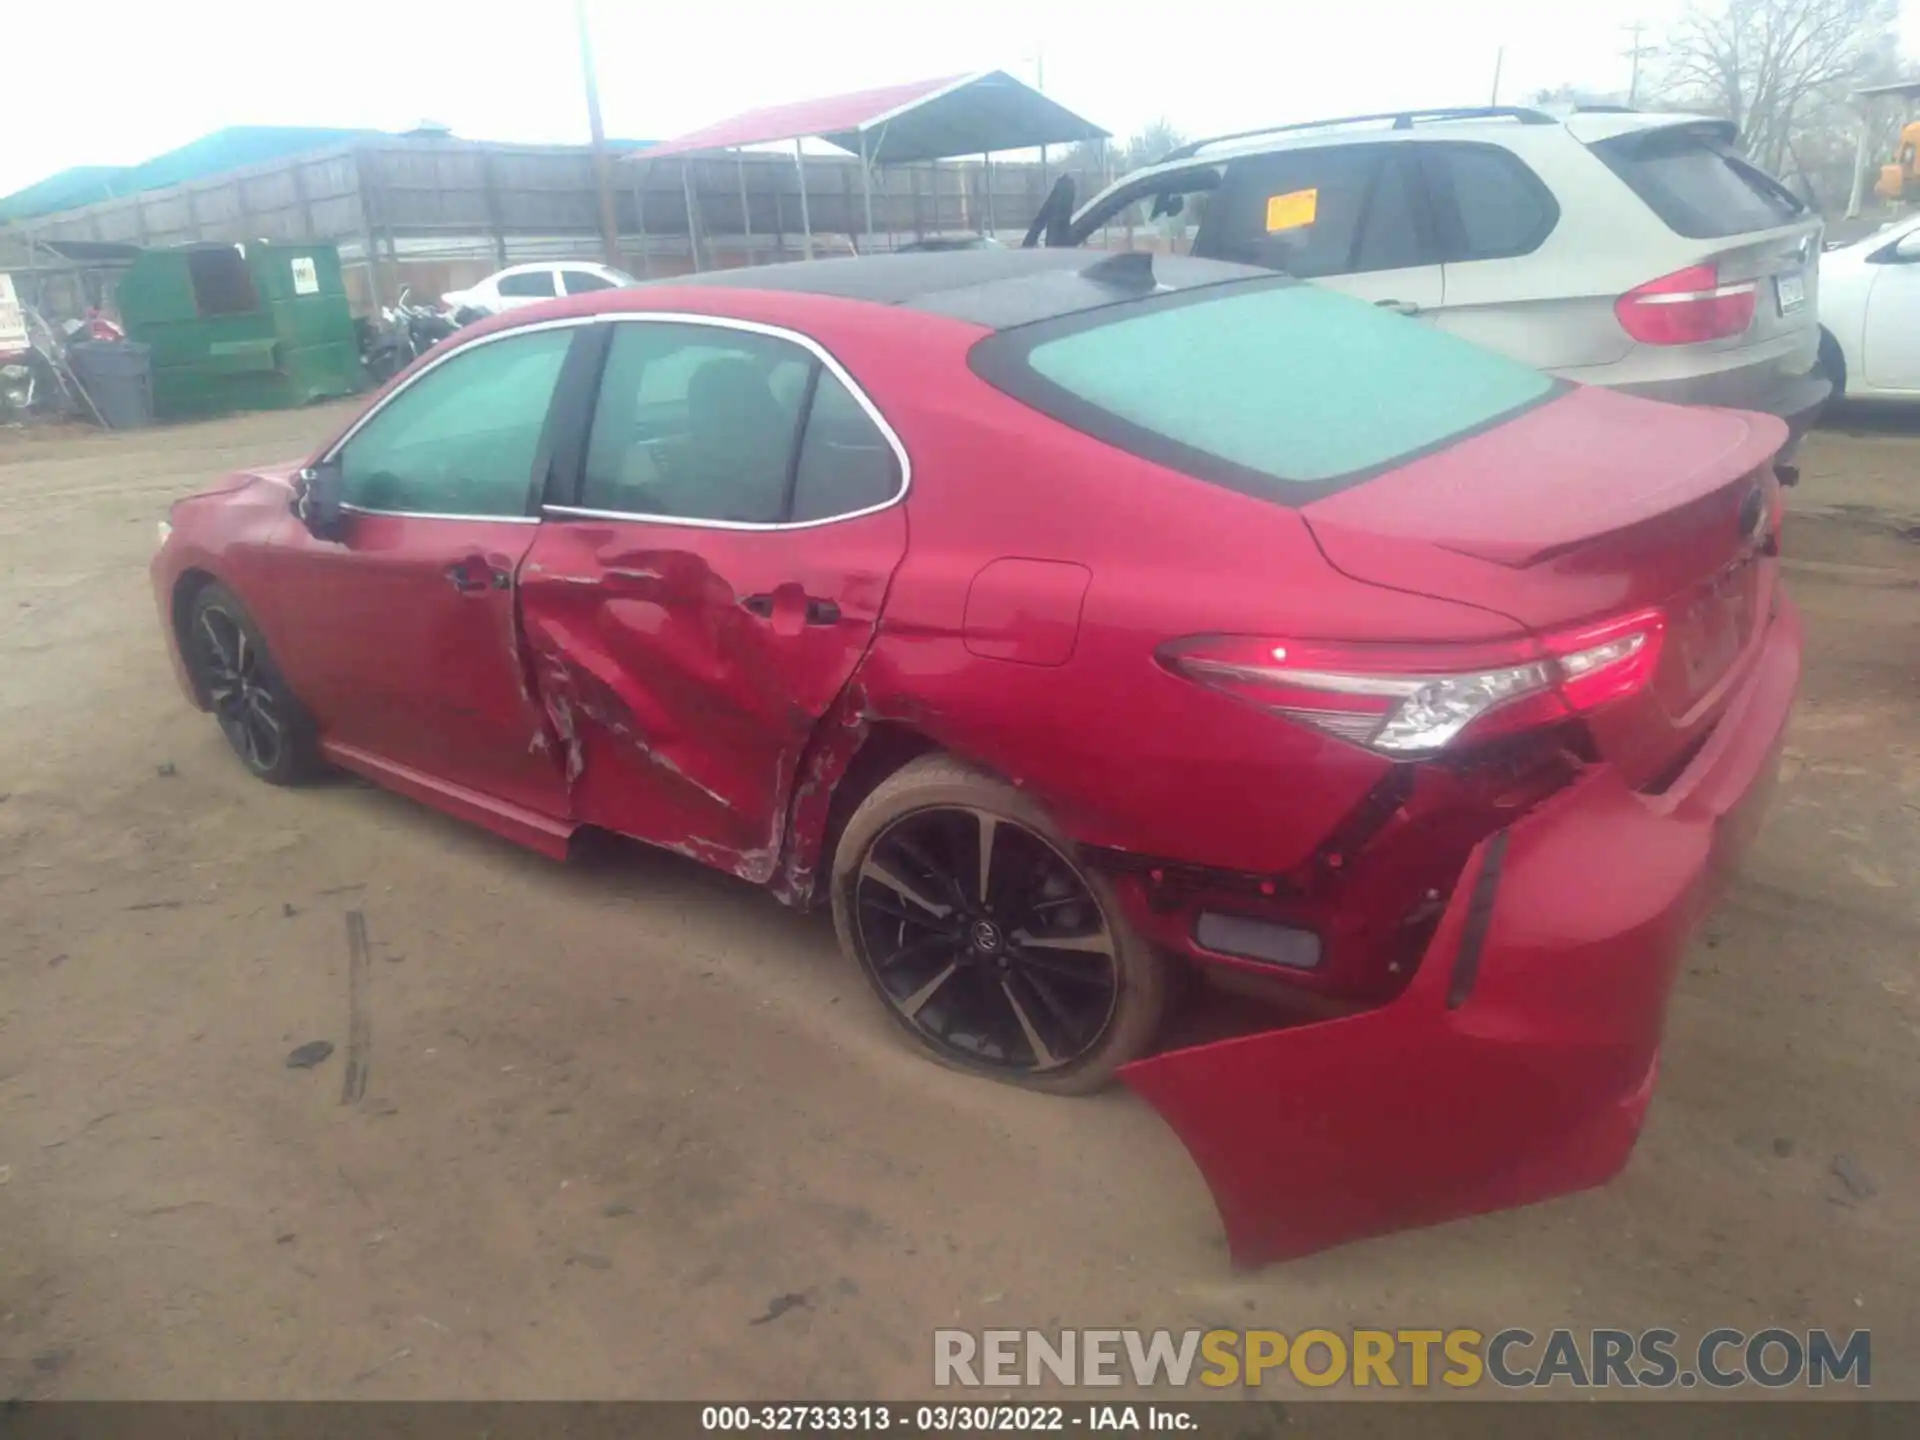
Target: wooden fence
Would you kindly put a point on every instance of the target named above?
(439, 213)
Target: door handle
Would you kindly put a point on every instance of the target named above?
(819, 612)
(473, 574)
(1398, 307)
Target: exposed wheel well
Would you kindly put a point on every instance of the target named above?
(888, 746)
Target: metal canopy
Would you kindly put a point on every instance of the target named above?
(895, 125)
(898, 124)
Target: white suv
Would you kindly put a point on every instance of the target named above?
(1608, 246)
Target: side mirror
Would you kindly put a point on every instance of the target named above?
(317, 502)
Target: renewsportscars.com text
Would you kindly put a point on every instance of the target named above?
(1721, 1359)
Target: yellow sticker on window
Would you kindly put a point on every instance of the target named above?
(1292, 210)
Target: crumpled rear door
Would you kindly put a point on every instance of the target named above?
(684, 669)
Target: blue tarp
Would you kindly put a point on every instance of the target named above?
(230, 149)
(233, 148)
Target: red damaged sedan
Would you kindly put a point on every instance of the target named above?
(1066, 623)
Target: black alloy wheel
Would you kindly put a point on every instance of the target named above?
(986, 940)
(261, 721)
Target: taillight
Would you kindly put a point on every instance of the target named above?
(1409, 700)
(1687, 307)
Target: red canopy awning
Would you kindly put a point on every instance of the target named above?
(895, 124)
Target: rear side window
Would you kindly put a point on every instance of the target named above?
(1697, 184)
(579, 282)
(1339, 210)
(1279, 390)
(846, 464)
(1492, 206)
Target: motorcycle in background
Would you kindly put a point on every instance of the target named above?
(404, 333)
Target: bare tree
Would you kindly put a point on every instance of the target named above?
(1776, 68)
(1150, 146)
(1092, 163)
(1575, 95)
(1823, 146)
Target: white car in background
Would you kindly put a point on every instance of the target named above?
(1870, 314)
(519, 285)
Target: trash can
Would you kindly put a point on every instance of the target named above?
(118, 375)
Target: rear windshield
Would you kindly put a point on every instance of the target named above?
(1275, 388)
(1698, 184)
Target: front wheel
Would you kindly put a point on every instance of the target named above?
(257, 713)
(994, 948)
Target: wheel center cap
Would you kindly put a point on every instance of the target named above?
(986, 937)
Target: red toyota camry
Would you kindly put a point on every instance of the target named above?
(1064, 622)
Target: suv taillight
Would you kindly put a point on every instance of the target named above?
(1411, 700)
(1687, 307)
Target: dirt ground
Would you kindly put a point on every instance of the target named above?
(630, 1129)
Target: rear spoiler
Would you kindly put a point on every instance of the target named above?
(1594, 127)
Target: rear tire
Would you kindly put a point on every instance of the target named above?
(262, 721)
(1833, 364)
(1030, 975)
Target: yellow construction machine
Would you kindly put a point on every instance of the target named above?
(1899, 182)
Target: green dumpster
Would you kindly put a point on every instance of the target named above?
(241, 327)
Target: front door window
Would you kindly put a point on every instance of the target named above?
(463, 438)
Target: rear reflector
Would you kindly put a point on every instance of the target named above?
(1407, 701)
(1252, 939)
(1687, 307)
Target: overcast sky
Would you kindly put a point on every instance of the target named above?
(92, 86)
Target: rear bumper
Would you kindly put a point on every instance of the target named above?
(1796, 399)
(1519, 1061)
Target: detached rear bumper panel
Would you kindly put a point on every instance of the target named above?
(1519, 1062)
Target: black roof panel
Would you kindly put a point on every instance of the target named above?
(995, 288)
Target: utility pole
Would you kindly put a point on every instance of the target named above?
(1499, 59)
(602, 167)
(1040, 84)
(1636, 53)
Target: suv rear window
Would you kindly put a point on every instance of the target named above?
(1273, 388)
(1491, 205)
(1697, 184)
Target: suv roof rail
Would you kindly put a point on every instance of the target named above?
(1402, 120)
